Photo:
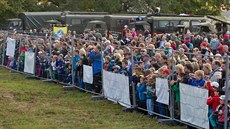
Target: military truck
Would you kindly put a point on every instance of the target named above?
(77, 21)
(31, 20)
(115, 23)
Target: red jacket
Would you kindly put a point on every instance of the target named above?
(210, 89)
(213, 102)
(220, 112)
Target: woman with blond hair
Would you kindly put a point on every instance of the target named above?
(118, 59)
(207, 68)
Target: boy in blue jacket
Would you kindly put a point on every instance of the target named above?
(141, 90)
(197, 79)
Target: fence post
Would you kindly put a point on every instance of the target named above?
(3, 52)
(4, 47)
(133, 87)
(72, 69)
(102, 65)
(35, 58)
(19, 48)
(172, 104)
(226, 95)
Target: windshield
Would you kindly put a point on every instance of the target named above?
(195, 29)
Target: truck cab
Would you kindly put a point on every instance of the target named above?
(97, 25)
(12, 24)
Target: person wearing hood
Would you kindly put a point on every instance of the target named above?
(214, 44)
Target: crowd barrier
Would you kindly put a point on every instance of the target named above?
(34, 55)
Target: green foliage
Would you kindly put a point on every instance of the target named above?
(10, 8)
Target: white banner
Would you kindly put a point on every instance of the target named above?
(29, 62)
(193, 105)
(116, 88)
(10, 49)
(162, 91)
(88, 74)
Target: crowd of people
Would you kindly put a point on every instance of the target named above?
(197, 60)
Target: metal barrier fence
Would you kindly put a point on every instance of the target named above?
(120, 73)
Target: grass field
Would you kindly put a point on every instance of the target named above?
(32, 104)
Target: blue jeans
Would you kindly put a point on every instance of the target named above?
(161, 110)
(150, 106)
(80, 82)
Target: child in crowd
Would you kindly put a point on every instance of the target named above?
(213, 102)
(80, 73)
(141, 90)
(60, 66)
(197, 79)
(164, 74)
(53, 67)
(220, 110)
(68, 78)
(106, 64)
(116, 69)
(150, 90)
(124, 69)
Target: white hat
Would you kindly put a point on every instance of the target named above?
(125, 26)
(222, 97)
(40, 52)
(116, 67)
(107, 42)
(218, 55)
(215, 84)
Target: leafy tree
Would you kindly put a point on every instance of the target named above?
(10, 8)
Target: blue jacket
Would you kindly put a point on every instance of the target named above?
(141, 89)
(214, 44)
(96, 60)
(60, 65)
(75, 60)
(150, 92)
(197, 83)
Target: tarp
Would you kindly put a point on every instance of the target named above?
(193, 105)
(88, 74)
(116, 88)
(29, 62)
(162, 91)
(37, 20)
(10, 49)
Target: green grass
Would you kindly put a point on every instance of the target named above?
(32, 104)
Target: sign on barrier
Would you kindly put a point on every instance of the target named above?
(116, 88)
(162, 91)
(10, 49)
(29, 62)
(88, 74)
(193, 105)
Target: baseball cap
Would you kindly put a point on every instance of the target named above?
(204, 44)
(165, 71)
(222, 97)
(116, 67)
(215, 84)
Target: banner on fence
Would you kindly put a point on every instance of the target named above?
(88, 74)
(10, 49)
(193, 105)
(116, 88)
(162, 91)
(29, 62)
